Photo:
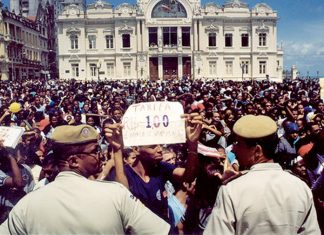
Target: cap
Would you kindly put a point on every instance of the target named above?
(290, 127)
(252, 127)
(74, 134)
(303, 150)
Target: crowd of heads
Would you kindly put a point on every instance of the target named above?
(296, 106)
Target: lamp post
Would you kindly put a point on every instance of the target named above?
(98, 67)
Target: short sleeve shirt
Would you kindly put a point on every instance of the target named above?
(151, 193)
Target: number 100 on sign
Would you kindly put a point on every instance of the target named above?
(157, 121)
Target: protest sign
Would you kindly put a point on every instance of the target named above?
(11, 135)
(153, 123)
(321, 81)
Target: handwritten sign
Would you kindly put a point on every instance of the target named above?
(321, 81)
(154, 123)
(11, 135)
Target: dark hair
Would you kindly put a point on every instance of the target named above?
(268, 144)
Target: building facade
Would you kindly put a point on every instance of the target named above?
(23, 47)
(168, 39)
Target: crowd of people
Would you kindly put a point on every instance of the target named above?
(240, 137)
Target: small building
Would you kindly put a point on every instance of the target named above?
(169, 39)
(23, 47)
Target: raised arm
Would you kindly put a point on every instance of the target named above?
(193, 129)
(16, 179)
(113, 134)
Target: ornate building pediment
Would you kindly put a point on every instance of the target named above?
(108, 30)
(229, 28)
(124, 8)
(212, 28)
(262, 8)
(74, 57)
(262, 28)
(91, 30)
(245, 29)
(73, 30)
(72, 9)
(211, 8)
(125, 29)
(235, 4)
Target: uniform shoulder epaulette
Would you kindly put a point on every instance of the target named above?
(241, 173)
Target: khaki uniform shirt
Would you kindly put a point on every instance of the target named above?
(266, 200)
(73, 204)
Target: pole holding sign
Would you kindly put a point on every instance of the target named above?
(154, 123)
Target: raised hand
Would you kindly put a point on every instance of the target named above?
(113, 134)
(194, 123)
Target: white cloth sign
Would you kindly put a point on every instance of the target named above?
(154, 123)
(11, 135)
(321, 81)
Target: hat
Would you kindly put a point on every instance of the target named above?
(303, 150)
(252, 127)
(80, 134)
(290, 127)
(320, 115)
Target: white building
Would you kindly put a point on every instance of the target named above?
(163, 39)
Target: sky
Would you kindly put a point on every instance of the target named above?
(300, 31)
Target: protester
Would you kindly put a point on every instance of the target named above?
(47, 104)
(148, 174)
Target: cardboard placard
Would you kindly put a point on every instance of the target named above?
(151, 123)
(321, 81)
(11, 135)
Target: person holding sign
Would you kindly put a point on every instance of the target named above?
(147, 176)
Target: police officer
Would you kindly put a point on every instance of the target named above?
(266, 200)
(73, 204)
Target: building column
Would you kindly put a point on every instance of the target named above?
(180, 67)
(160, 38)
(160, 66)
(179, 42)
(195, 37)
(139, 39)
(199, 33)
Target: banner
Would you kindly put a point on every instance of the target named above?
(154, 123)
(11, 135)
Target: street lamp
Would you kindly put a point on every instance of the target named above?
(98, 67)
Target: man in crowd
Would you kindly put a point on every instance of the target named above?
(274, 202)
(72, 204)
(148, 174)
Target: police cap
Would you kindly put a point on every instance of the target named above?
(253, 127)
(80, 134)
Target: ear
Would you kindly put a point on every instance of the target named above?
(73, 161)
(258, 152)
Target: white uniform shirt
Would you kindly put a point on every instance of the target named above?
(73, 204)
(266, 200)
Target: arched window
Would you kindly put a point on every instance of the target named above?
(169, 9)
